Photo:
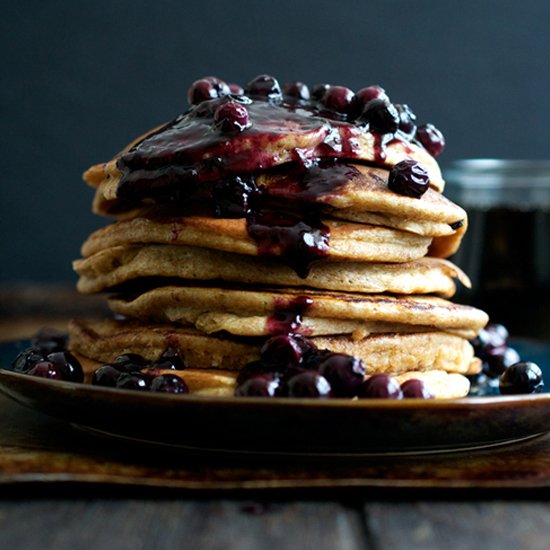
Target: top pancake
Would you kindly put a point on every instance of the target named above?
(193, 149)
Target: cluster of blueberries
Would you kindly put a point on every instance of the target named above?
(289, 366)
(369, 106)
(502, 363)
(48, 358)
(292, 366)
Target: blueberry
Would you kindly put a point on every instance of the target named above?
(523, 377)
(47, 369)
(308, 384)
(431, 139)
(106, 376)
(207, 88)
(252, 369)
(260, 385)
(48, 340)
(416, 389)
(407, 120)
(345, 373)
(232, 196)
(318, 91)
(296, 90)
(264, 86)
(130, 362)
(363, 96)
(497, 360)
(133, 381)
(170, 359)
(236, 89)
(409, 178)
(169, 383)
(381, 116)
(494, 335)
(283, 351)
(231, 117)
(380, 386)
(337, 99)
(27, 359)
(314, 357)
(68, 365)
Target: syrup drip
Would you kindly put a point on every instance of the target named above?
(299, 238)
(287, 318)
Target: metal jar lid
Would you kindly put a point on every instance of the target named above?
(494, 183)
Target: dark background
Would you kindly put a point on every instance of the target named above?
(81, 79)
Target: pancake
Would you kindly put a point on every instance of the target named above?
(386, 353)
(218, 383)
(184, 152)
(348, 241)
(115, 266)
(252, 312)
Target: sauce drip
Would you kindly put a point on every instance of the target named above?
(287, 317)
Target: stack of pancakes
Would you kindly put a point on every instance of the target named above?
(223, 239)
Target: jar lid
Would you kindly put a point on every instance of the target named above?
(490, 183)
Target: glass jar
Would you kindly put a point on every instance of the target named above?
(506, 250)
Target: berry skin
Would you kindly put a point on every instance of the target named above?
(337, 99)
(345, 373)
(259, 385)
(409, 178)
(130, 362)
(414, 388)
(68, 364)
(407, 120)
(296, 90)
(231, 117)
(524, 377)
(497, 360)
(308, 384)
(207, 88)
(318, 91)
(133, 381)
(431, 139)
(236, 89)
(47, 369)
(168, 383)
(363, 96)
(381, 116)
(264, 86)
(492, 336)
(282, 352)
(106, 376)
(170, 359)
(26, 360)
(380, 386)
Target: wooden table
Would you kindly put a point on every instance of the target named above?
(68, 512)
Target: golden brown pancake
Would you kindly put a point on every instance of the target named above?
(348, 241)
(218, 383)
(387, 353)
(114, 266)
(253, 312)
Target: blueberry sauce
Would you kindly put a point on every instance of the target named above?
(287, 318)
(299, 238)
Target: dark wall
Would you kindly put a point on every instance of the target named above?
(82, 78)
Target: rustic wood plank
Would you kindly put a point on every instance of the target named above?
(145, 524)
(463, 525)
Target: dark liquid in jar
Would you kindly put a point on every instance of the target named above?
(506, 252)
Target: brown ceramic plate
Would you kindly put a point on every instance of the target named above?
(289, 426)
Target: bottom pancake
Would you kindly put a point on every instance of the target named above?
(220, 383)
(382, 353)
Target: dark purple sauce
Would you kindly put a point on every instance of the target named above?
(191, 149)
(299, 238)
(314, 184)
(287, 318)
